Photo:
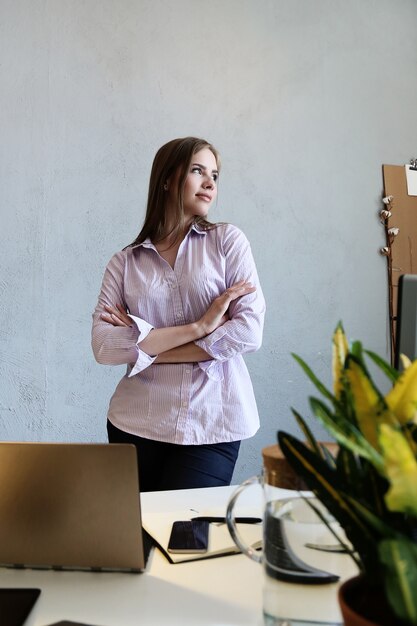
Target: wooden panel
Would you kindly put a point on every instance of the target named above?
(402, 248)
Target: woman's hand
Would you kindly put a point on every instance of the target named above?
(216, 314)
(117, 316)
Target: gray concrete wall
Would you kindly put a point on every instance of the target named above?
(305, 100)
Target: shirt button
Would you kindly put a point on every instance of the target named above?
(174, 286)
(184, 404)
(188, 371)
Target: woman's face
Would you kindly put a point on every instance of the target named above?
(200, 188)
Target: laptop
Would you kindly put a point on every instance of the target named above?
(71, 506)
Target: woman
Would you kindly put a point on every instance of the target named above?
(179, 306)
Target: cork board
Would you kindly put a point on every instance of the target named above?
(401, 246)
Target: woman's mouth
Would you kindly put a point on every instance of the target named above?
(204, 196)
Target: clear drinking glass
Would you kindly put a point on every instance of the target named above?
(293, 530)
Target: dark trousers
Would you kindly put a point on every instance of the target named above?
(164, 466)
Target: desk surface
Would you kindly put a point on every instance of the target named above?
(224, 591)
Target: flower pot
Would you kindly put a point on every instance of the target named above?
(363, 604)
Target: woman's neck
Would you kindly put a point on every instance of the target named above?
(173, 236)
(168, 249)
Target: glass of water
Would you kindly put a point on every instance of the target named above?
(303, 562)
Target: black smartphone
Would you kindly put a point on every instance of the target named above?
(16, 604)
(189, 537)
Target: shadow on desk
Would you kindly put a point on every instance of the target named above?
(129, 600)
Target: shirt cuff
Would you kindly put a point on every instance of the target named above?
(144, 360)
(214, 368)
(208, 342)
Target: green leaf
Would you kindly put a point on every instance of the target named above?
(401, 470)
(402, 399)
(340, 350)
(369, 404)
(307, 432)
(373, 488)
(399, 557)
(390, 371)
(357, 351)
(345, 433)
(325, 483)
(323, 390)
(350, 471)
(373, 519)
(327, 455)
(339, 539)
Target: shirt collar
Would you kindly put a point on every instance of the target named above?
(194, 227)
(198, 229)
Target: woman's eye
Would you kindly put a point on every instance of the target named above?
(196, 169)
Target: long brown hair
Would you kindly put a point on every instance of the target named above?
(173, 157)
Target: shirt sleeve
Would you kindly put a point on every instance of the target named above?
(118, 345)
(243, 332)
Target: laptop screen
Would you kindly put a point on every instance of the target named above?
(70, 506)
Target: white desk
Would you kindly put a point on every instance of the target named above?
(216, 592)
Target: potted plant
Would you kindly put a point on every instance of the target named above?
(370, 486)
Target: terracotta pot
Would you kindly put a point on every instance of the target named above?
(362, 604)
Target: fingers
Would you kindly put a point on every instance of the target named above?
(116, 316)
(122, 310)
(242, 288)
(112, 319)
(216, 314)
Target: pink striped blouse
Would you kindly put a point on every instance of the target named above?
(183, 403)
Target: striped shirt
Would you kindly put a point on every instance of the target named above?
(183, 403)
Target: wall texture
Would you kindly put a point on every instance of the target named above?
(305, 101)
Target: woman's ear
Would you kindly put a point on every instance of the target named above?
(171, 183)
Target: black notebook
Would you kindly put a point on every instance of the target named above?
(159, 525)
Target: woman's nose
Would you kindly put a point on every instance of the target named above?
(208, 183)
